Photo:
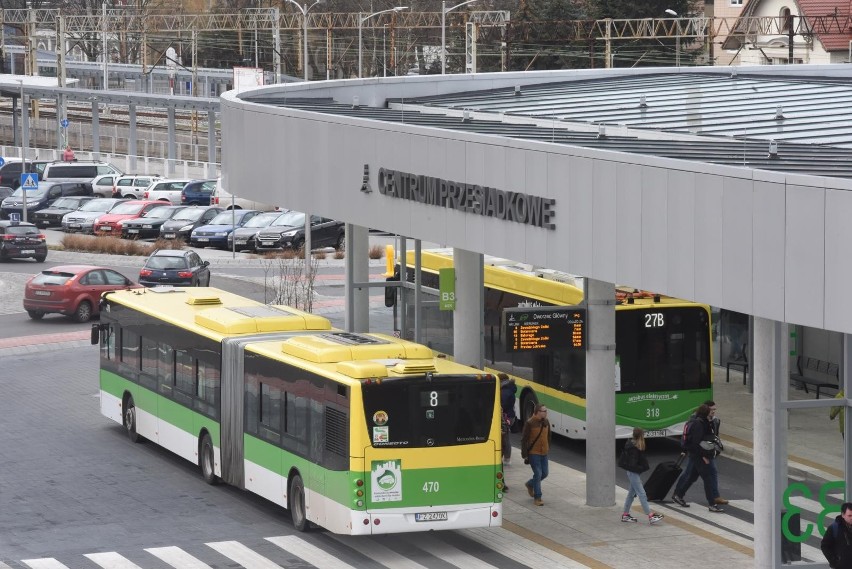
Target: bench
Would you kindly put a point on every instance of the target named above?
(740, 362)
(817, 373)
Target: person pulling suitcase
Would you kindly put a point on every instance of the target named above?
(634, 463)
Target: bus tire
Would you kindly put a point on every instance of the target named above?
(207, 461)
(129, 419)
(296, 501)
(528, 404)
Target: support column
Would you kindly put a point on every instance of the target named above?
(770, 439)
(600, 393)
(131, 143)
(846, 385)
(170, 165)
(212, 160)
(96, 130)
(357, 271)
(468, 342)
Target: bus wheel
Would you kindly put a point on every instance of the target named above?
(206, 461)
(130, 420)
(528, 404)
(297, 503)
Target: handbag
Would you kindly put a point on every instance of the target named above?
(713, 446)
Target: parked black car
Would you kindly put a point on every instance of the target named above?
(184, 221)
(246, 236)
(21, 240)
(42, 197)
(52, 216)
(175, 267)
(289, 233)
(149, 224)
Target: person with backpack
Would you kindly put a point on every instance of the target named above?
(507, 402)
(836, 544)
(701, 445)
(634, 463)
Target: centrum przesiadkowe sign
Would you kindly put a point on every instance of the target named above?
(472, 198)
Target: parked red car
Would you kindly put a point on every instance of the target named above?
(72, 290)
(110, 223)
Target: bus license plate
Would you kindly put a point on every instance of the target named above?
(430, 517)
(659, 433)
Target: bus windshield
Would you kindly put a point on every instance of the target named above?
(663, 350)
(429, 411)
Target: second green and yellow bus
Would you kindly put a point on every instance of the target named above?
(663, 357)
(357, 433)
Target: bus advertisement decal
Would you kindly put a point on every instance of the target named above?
(386, 480)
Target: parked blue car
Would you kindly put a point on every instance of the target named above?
(216, 233)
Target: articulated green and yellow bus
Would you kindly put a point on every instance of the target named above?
(357, 433)
(663, 358)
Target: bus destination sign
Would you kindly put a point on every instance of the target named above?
(545, 328)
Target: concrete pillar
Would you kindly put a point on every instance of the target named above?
(170, 164)
(357, 317)
(468, 341)
(96, 130)
(770, 440)
(131, 142)
(600, 393)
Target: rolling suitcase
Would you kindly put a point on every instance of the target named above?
(662, 479)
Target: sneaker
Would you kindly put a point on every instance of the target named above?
(679, 501)
(628, 519)
(715, 509)
(655, 517)
(538, 502)
(530, 490)
(720, 501)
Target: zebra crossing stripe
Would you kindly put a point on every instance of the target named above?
(176, 557)
(112, 560)
(377, 552)
(309, 552)
(238, 552)
(520, 550)
(46, 563)
(450, 554)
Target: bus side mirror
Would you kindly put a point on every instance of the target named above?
(96, 334)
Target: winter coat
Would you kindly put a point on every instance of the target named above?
(507, 397)
(836, 544)
(531, 441)
(632, 458)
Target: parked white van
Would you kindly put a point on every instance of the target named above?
(225, 200)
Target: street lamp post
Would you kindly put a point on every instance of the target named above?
(671, 12)
(304, 10)
(444, 12)
(362, 19)
(24, 142)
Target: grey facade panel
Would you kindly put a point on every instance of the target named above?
(804, 266)
(769, 263)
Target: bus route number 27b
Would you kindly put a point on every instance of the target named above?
(654, 320)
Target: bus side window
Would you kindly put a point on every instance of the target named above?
(130, 349)
(270, 413)
(166, 368)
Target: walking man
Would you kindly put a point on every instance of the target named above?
(535, 444)
(701, 453)
(836, 544)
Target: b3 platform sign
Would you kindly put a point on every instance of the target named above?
(545, 328)
(447, 289)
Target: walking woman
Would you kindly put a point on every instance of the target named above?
(633, 461)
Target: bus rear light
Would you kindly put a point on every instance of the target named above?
(359, 493)
(360, 503)
(377, 521)
(359, 482)
(366, 521)
(499, 476)
(494, 513)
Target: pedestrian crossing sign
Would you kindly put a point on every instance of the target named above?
(29, 181)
